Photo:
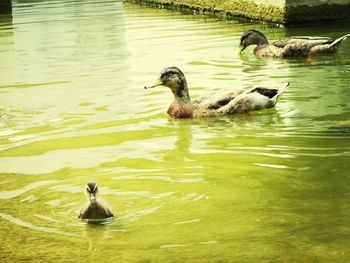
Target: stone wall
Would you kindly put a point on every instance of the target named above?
(279, 11)
(304, 11)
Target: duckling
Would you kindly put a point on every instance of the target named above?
(298, 46)
(224, 103)
(94, 210)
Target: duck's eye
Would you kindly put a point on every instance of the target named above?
(164, 76)
(167, 75)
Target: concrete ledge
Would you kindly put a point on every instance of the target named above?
(277, 11)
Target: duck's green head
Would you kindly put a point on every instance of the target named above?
(91, 191)
(252, 37)
(173, 78)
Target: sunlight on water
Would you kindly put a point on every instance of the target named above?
(268, 186)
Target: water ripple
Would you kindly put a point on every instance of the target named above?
(15, 193)
(162, 178)
(22, 223)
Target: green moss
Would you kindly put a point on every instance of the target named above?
(248, 8)
(245, 8)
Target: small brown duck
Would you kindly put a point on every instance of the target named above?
(219, 104)
(94, 210)
(298, 46)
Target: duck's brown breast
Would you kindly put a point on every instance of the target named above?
(180, 110)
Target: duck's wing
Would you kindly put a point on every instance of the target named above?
(313, 41)
(270, 93)
(216, 100)
(85, 212)
(306, 45)
(313, 46)
(253, 99)
(297, 49)
(103, 211)
(109, 213)
(197, 101)
(210, 105)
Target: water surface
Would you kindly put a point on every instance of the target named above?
(269, 186)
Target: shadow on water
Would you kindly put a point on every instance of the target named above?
(7, 54)
(5, 20)
(5, 7)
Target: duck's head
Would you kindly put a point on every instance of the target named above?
(91, 191)
(173, 78)
(252, 37)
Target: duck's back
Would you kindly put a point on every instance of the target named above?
(304, 45)
(312, 41)
(208, 106)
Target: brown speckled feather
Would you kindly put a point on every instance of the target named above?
(313, 41)
(268, 51)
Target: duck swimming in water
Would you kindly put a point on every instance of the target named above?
(298, 46)
(94, 210)
(224, 103)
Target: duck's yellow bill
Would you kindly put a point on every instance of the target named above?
(155, 83)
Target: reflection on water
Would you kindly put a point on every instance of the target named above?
(268, 186)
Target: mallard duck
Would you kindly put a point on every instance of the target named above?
(290, 47)
(224, 103)
(94, 210)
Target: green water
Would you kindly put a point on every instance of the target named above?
(269, 186)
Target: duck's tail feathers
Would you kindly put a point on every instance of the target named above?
(280, 91)
(268, 92)
(337, 42)
(283, 88)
